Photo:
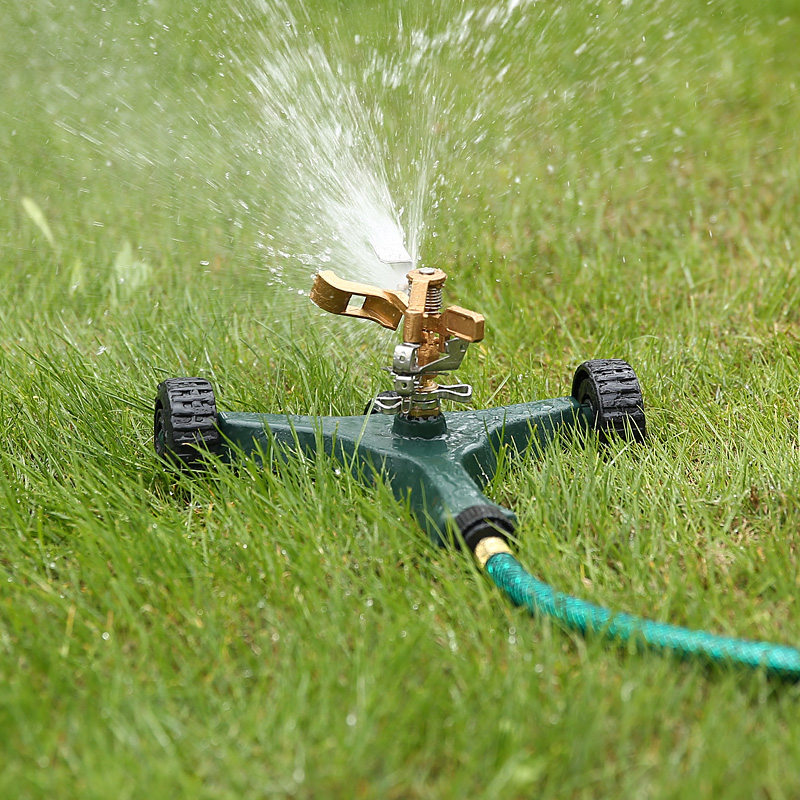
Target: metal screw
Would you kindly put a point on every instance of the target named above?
(426, 270)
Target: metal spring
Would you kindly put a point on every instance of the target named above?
(433, 301)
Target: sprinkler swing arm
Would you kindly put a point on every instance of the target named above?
(439, 462)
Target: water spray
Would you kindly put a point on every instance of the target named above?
(439, 461)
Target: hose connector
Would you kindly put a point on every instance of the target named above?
(480, 522)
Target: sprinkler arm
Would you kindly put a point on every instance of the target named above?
(332, 293)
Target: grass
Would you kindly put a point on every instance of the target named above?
(292, 633)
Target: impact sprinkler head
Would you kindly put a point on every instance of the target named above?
(435, 339)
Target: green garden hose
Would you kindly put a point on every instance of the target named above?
(539, 598)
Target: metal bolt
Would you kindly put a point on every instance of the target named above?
(426, 270)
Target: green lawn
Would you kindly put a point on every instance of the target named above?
(630, 189)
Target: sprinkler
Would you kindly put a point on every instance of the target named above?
(436, 460)
(439, 461)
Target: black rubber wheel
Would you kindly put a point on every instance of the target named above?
(371, 408)
(611, 388)
(185, 421)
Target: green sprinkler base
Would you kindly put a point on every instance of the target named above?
(437, 465)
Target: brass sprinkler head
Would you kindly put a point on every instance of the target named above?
(435, 339)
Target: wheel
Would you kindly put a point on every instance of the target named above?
(185, 421)
(611, 388)
(371, 408)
